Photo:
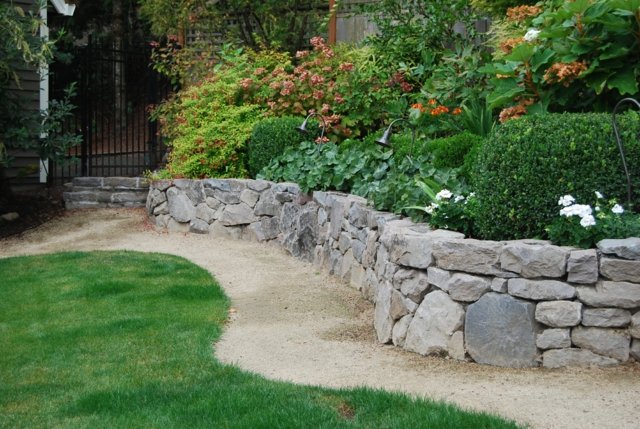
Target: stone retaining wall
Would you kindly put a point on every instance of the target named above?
(514, 303)
(105, 192)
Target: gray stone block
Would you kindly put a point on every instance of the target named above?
(574, 357)
(88, 182)
(357, 247)
(628, 248)
(138, 198)
(347, 264)
(161, 209)
(344, 242)
(206, 213)
(610, 294)
(193, 189)
(411, 250)
(554, 339)
(620, 270)
(499, 285)
(358, 215)
(433, 324)
(635, 350)
(612, 343)
(634, 329)
(439, 278)
(370, 285)
(259, 185)
(606, 317)
(336, 215)
(229, 198)
(370, 249)
(533, 261)
(399, 332)
(198, 226)
(540, 290)
(357, 276)
(501, 330)
(161, 185)
(249, 197)
(582, 266)
(383, 322)
(467, 288)
(413, 284)
(471, 256)
(267, 205)
(121, 183)
(237, 214)
(559, 314)
(264, 230)
(181, 208)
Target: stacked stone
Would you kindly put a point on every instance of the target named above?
(236, 208)
(515, 304)
(106, 192)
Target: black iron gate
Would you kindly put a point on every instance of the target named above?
(116, 90)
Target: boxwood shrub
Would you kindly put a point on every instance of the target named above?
(523, 169)
(270, 137)
(450, 152)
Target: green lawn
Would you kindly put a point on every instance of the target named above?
(125, 340)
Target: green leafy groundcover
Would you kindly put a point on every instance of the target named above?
(124, 340)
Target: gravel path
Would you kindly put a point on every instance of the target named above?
(291, 322)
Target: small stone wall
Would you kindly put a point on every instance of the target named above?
(514, 303)
(106, 192)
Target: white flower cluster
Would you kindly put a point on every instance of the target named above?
(430, 209)
(531, 35)
(584, 211)
(445, 194)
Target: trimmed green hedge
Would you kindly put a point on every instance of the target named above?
(523, 169)
(270, 137)
(450, 152)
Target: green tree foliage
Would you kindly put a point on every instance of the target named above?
(413, 31)
(22, 47)
(287, 24)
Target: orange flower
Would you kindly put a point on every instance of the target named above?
(418, 106)
(440, 110)
(565, 73)
(432, 102)
(456, 111)
(521, 13)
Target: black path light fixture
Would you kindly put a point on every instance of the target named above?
(620, 145)
(385, 140)
(303, 127)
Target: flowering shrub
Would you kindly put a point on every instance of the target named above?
(447, 210)
(342, 84)
(522, 168)
(583, 225)
(565, 56)
(433, 119)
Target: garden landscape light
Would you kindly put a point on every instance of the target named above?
(385, 140)
(620, 146)
(303, 128)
